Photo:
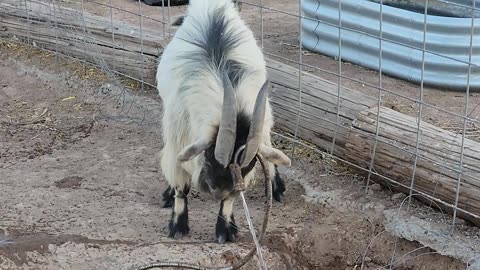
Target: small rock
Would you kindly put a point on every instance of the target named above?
(73, 182)
(368, 259)
(398, 196)
(363, 200)
(459, 221)
(376, 187)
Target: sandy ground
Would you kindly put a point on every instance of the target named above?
(80, 189)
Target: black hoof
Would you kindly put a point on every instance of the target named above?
(168, 197)
(278, 196)
(178, 225)
(226, 231)
(179, 228)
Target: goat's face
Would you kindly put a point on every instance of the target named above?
(216, 179)
(213, 176)
(238, 140)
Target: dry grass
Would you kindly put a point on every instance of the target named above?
(303, 150)
(79, 69)
(472, 130)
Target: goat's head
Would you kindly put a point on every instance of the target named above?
(238, 140)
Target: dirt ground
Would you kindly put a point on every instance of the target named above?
(81, 188)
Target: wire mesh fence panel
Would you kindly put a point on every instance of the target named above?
(349, 80)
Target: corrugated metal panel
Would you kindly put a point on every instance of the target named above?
(447, 41)
(449, 8)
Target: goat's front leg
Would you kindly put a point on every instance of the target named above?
(178, 224)
(226, 229)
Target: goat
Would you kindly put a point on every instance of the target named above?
(212, 80)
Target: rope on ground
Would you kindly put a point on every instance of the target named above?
(249, 256)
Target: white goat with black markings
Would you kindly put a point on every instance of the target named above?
(212, 79)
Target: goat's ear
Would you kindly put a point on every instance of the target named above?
(192, 151)
(274, 156)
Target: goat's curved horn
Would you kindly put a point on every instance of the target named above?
(256, 128)
(228, 125)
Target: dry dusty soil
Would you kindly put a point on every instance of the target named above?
(80, 188)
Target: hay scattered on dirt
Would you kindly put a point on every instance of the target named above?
(81, 70)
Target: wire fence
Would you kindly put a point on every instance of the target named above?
(411, 137)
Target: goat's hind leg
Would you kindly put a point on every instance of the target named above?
(168, 197)
(226, 229)
(178, 225)
(169, 193)
(278, 184)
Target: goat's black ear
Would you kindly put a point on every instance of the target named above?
(178, 21)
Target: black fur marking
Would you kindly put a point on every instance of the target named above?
(179, 21)
(278, 186)
(180, 227)
(165, 3)
(168, 197)
(213, 173)
(216, 40)
(223, 231)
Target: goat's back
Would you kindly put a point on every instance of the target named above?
(212, 39)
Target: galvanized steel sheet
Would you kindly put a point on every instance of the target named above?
(447, 41)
